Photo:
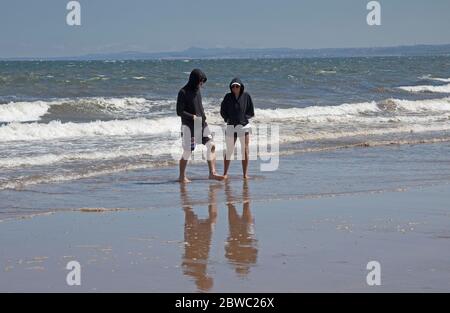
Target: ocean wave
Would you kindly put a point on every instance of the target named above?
(35, 110)
(23, 111)
(427, 88)
(333, 134)
(367, 114)
(95, 78)
(314, 111)
(164, 146)
(354, 110)
(327, 72)
(441, 105)
(21, 182)
(48, 159)
(117, 167)
(367, 144)
(59, 130)
(118, 105)
(429, 77)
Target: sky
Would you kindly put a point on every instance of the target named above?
(39, 28)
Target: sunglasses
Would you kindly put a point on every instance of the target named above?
(236, 86)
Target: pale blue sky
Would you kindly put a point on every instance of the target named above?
(38, 28)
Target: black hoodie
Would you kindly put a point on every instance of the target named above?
(189, 102)
(237, 111)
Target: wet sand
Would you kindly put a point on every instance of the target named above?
(237, 242)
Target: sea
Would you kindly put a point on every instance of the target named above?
(64, 121)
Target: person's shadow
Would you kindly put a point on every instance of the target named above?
(241, 246)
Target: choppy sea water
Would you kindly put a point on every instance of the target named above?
(62, 121)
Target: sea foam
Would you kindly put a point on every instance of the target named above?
(426, 88)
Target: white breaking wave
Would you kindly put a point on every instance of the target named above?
(109, 103)
(316, 111)
(35, 110)
(426, 88)
(126, 105)
(48, 159)
(368, 113)
(118, 105)
(445, 80)
(22, 181)
(355, 110)
(428, 77)
(331, 135)
(418, 106)
(23, 111)
(59, 130)
(327, 72)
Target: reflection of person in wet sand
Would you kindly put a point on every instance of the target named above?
(197, 237)
(241, 248)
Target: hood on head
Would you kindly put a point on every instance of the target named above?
(195, 78)
(239, 81)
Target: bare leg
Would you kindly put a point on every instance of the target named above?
(227, 156)
(183, 179)
(246, 156)
(187, 141)
(226, 166)
(212, 163)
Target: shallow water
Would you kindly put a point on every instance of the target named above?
(301, 175)
(63, 121)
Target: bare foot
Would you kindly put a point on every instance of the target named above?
(216, 177)
(246, 177)
(184, 180)
(225, 177)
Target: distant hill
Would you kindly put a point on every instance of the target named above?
(235, 53)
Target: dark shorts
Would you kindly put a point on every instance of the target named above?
(190, 144)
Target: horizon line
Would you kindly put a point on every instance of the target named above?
(105, 54)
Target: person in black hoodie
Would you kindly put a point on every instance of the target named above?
(194, 126)
(236, 109)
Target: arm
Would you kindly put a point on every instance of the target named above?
(223, 110)
(181, 105)
(250, 110)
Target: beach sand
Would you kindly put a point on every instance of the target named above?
(286, 231)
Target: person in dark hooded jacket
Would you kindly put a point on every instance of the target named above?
(194, 127)
(236, 109)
